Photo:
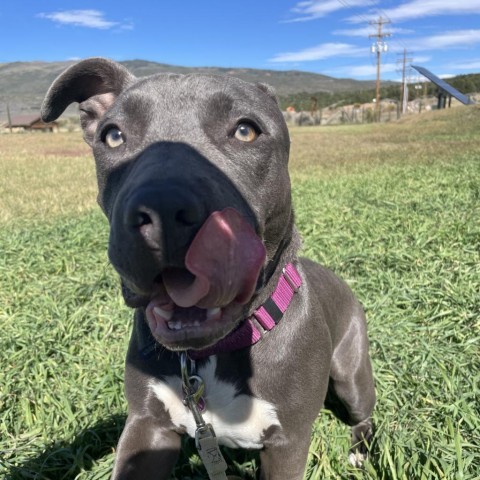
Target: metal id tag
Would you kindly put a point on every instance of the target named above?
(209, 451)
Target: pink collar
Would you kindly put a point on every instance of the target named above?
(249, 332)
(266, 317)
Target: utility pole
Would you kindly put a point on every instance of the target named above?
(378, 47)
(9, 117)
(404, 87)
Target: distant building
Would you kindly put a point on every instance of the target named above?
(33, 122)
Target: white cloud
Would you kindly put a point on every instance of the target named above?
(447, 75)
(81, 18)
(471, 65)
(310, 10)
(459, 38)
(415, 9)
(369, 70)
(366, 31)
(126, 26)
(420, 59)
(320, 52)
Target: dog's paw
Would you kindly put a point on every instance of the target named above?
(357, 459)
(362, 434)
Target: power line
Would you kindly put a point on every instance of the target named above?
(383, 15)
(359, 15)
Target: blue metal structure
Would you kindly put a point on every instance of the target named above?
(444, 88)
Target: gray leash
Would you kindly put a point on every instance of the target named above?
(205, 439)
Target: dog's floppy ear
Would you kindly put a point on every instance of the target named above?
(94, 83)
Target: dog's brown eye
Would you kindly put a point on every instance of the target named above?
(114, 138)
(245, 133)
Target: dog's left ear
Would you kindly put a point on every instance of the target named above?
(94, 83)
(268, 89)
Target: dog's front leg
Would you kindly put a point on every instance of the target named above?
(146, 450)
(285, 460)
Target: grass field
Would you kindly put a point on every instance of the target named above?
(393, 208)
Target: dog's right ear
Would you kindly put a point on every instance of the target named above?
(94, 83)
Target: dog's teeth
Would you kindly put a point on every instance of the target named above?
(213, 312)
(167, 315)
(174, 325)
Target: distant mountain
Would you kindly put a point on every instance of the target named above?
(23, 84)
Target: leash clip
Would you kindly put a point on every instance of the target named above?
(205, 439)
(192, 384)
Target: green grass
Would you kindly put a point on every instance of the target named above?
(394, 209)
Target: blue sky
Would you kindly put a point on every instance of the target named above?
(324, 36)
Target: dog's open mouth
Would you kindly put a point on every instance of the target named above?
(178, 318)
(198, 305)
(193, 327)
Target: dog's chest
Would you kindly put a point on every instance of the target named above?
(239, 420)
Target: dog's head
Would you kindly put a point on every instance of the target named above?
(192, 175)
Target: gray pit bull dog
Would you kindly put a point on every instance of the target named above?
(192, 175)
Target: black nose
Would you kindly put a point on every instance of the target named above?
(166, 216)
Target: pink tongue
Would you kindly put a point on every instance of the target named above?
(225, 259)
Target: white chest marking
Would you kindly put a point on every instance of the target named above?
(239, 421)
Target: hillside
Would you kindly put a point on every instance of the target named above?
(23, 84)
(466, 84)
